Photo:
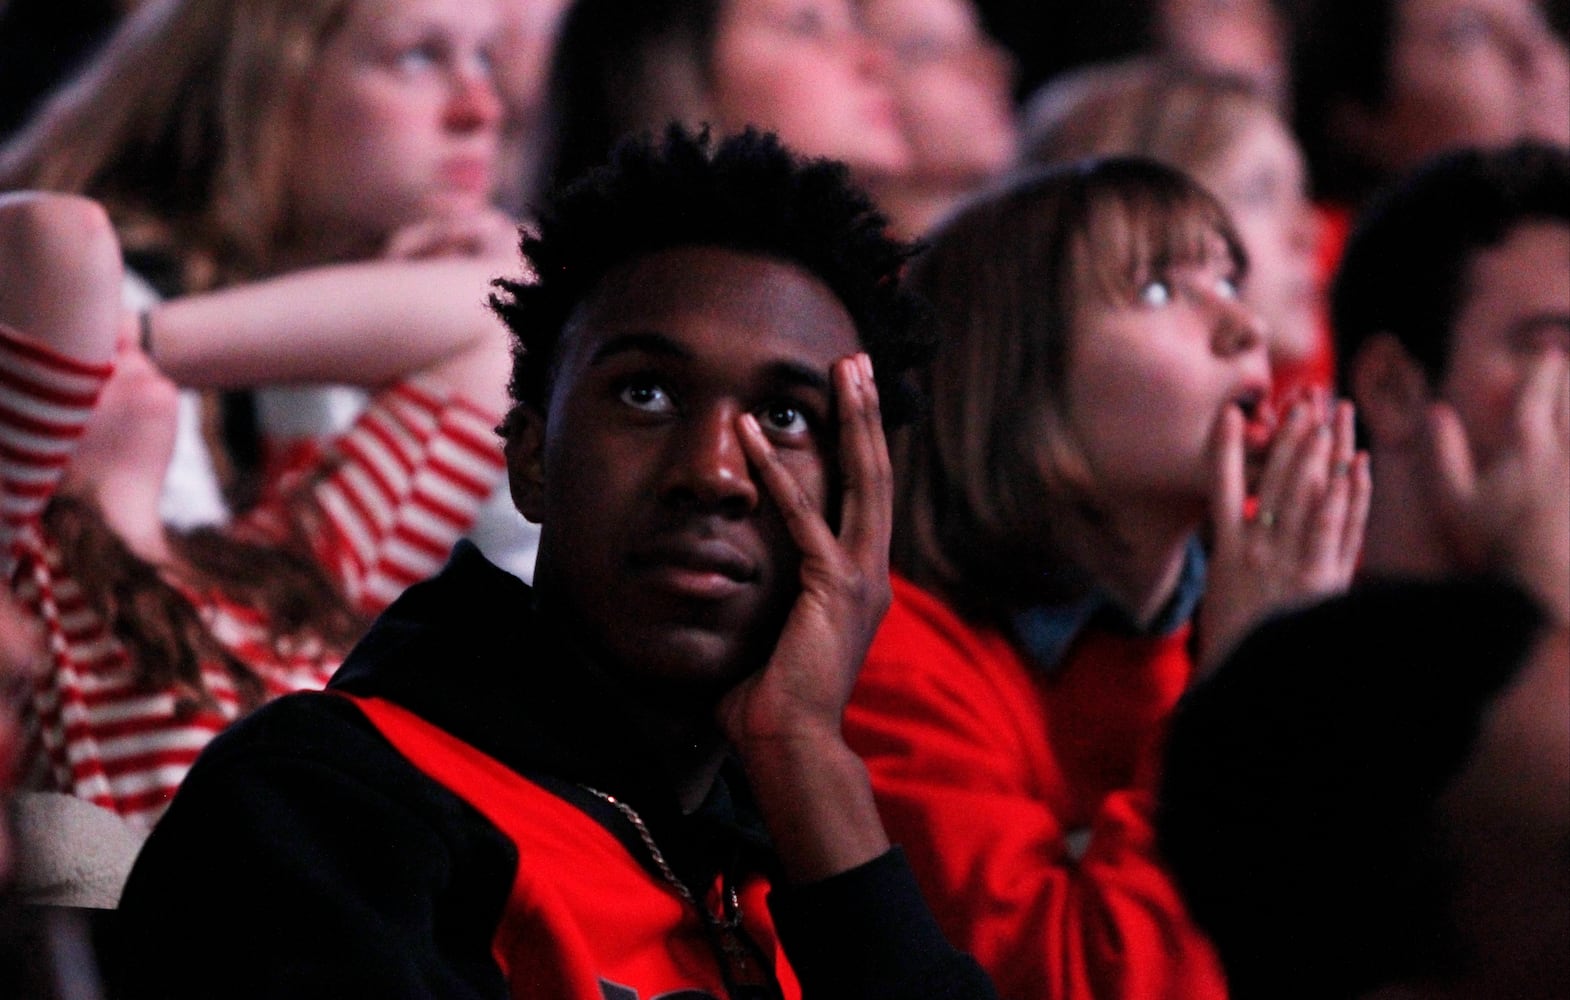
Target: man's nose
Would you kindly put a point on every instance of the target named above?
(707, 466)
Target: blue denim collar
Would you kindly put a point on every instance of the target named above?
(1045, 632)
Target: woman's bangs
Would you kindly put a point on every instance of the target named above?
(1133, 235)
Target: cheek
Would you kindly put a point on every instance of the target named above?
(1475, 99)
(369, 135)
(1484, 395)
(1110, 399)
(780, 94)
(950, 111)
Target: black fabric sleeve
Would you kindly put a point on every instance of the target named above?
(315, 863)
(867, 933)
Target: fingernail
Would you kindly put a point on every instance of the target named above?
(854, 370)
(866, 364)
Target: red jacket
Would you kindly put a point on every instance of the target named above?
(993, 773)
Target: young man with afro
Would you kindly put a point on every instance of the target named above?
(587, 789)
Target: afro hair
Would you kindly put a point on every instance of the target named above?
(746, 193)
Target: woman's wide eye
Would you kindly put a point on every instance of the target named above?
(1155, 293)
(647, 396)
(783, 418)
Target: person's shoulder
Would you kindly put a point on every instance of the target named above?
(921, 625)
(302, 726)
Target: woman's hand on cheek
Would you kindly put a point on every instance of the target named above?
(1300, 540)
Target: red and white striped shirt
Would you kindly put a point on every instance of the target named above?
(387, 499)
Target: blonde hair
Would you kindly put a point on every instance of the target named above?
(182, 127)
(1142, 107)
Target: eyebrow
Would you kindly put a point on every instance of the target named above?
(788, 373)
(645, 342)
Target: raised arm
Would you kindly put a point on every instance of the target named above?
(366, 324)
(786, 722)
(59, 305)
(851, 918)
(60, 273)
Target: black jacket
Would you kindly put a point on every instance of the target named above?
(305, 857)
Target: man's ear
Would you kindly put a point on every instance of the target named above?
(525, 451)
(1391, 391)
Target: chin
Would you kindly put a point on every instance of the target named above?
(692, 659)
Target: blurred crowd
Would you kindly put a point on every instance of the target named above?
(1227, 652)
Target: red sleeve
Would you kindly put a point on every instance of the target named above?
(386, 500)
(46, 400)
(969, 780)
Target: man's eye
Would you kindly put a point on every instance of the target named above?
(417, 58)
(646, 396)
(1227, 288)
(783, 418)
(1155, 293)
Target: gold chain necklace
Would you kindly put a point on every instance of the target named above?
(732, 901)
(741, 971)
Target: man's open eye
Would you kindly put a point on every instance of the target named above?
(646, 396)
(783, 418)
(1154, 293)
(1228, 289)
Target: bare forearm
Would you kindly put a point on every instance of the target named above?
(360, 324)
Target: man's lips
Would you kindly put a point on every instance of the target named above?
(696, 567)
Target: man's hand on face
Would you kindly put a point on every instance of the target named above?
(1514, 515)
(785, 721)
(802, 692)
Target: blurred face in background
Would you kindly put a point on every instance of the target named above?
(952, 84)
(1470, 73)
(402, 120)
(1235, 37)
(806, 70)
(1261, 179)
(1515, 310)
(520, 70)
(522, 59)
